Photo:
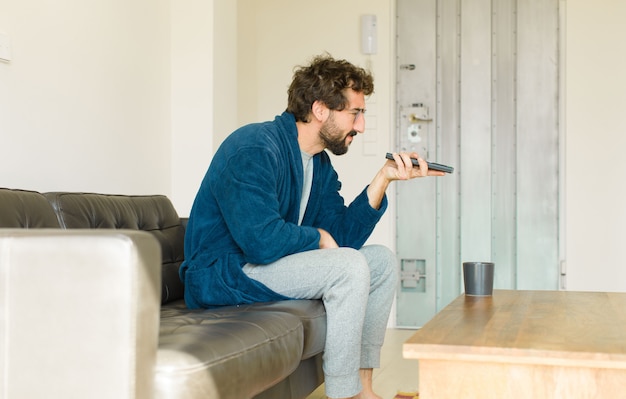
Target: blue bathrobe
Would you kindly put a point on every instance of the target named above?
(247, 208)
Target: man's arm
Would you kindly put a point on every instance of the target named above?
(244, 185)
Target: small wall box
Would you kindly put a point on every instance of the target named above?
(368, 34)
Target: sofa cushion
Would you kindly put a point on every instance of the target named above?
(311, 313)
(25, 209)
(151, 213)
(227, 352)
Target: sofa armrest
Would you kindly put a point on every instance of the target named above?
(79, 313)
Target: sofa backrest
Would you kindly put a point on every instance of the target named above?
(25, 209)
(151, 213)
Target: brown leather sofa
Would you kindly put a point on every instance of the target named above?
(92, 307)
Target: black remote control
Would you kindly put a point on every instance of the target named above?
(431, 165)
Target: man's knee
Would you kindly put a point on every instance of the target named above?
(382, 260)
(354, 267)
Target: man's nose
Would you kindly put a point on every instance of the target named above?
(359, 123)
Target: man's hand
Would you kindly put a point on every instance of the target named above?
(326, 240)
(401, 168)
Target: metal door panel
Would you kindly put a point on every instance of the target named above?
(417, 241)
(446, 115)
(504, 156)
(537, 127)
(475, 140)
(487, 72)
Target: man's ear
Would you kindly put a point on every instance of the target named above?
(319, 110)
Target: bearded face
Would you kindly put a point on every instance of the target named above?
(334, 138)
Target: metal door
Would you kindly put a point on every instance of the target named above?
(478, 89)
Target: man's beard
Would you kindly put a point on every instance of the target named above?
(333, 139)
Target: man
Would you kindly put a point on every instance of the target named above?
(268, 222)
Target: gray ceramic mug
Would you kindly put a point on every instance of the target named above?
(478, 278)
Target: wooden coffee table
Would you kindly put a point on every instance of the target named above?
(524, 344)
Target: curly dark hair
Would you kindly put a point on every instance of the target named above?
(325, 79)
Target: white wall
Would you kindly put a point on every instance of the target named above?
(225, 63)
(192, 103)
(596, 139)
(108, 96)
(85, 102)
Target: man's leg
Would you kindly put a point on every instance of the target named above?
(384, 279)
(341, 278)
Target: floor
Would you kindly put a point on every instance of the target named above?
(395, 374)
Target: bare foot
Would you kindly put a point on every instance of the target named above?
(366, 381)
